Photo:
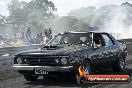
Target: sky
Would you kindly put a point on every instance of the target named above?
(65, 6)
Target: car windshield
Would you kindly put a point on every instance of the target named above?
(71, 38)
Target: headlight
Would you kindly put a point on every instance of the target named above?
(64, 61)
(19, 60)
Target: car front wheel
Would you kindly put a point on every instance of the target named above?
(85, 69)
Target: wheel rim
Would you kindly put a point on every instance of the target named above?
(80, 77)
(87, 69)
(122, 63)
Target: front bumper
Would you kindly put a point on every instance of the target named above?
(47, 68)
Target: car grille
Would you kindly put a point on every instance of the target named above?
(40, 61)
(43, 61)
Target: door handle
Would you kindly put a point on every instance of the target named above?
(112, 55)
(100, 57)
(107, 56)
(105, 52)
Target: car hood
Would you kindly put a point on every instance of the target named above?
(69, 49)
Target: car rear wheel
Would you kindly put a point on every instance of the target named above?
(30, 77)
(119, 66)
(86, 67)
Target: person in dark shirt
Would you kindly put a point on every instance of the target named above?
(28, 33)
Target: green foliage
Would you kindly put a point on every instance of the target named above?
(35, 13)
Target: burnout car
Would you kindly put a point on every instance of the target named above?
(75, 53)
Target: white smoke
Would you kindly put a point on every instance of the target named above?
(114, 19)
(117, 24)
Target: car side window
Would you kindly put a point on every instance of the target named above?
(107, 40)
(98, 39)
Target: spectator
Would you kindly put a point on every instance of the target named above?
(28, 33)
(50, 33)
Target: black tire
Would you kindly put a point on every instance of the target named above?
(30, 77)
(80, 79)
(119, 66)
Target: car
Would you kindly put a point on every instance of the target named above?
(72, 53)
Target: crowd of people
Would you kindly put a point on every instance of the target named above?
(40, 38)
(26, 38)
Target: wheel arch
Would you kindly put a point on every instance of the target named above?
(88, 59)
(121, 54)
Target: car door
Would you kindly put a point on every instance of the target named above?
(98, 56)
(111, 49)
(99, 53)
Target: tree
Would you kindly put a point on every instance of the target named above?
(35, 13)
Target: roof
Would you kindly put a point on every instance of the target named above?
(85, 32)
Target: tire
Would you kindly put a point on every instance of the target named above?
(87, 68)
(119, 66)
(30, 77)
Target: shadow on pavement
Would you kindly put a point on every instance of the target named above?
(59, 83)
(69, 82)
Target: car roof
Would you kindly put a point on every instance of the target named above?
(84, 32)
